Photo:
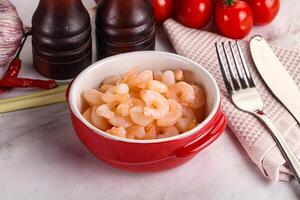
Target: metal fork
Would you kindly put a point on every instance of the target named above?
(244, 96)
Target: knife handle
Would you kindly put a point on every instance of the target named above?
(284, 147)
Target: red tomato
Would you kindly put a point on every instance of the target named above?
(194, 13)
(234, 18)
(162, 10)
(264, 11)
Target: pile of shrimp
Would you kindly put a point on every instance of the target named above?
(145, 105)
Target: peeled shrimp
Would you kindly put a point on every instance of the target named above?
(178, 75)
(199, 97)
(87, 114)
(124, 107)
(99, 121)
(168, 132)
(105, 88)
(120, 131)
(157, 86)
(140, 80)
(151, 131)
(138, 117)
(129, 75)
(157, 75)
(120, 89)
(119, 121)
(182, 92)
(117, 93)
(111, 80)
(137, 102)
(105, 111)
(93, 97)
(113, 105)
(188, 120)
(156, 105)
(114, 119)
(136, 131)
(174, 114)
(168, 78)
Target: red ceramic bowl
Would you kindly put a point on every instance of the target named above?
(146, 155)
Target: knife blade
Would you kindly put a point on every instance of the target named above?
(275, 76)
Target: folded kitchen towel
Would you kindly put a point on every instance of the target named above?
(256, 140)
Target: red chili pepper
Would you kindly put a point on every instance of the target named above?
(26, 82)
(14, 66)
(12, 71)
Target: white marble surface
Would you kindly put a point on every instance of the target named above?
(41, 158)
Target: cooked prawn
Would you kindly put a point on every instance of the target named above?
(110, 96)
(157, 75)
(178, 75)
(116, 120)
(151, 131)
(105, 111)
(120, 89)
(182, 92)
(138, 117)
(141, 79)
(105, 88)
(167, 132)
(113, 105)
(119, 121)
(93, 97)
(136, 132)
(156, 105)
(124, 107)
(157, 86)
(174, 114)
(199, 97)
(120, 131)
(129, 75)
(137, 102)
(168, 78)
(99, 121)
(87, 114)
(188, 120)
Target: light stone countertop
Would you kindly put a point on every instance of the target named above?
(42, 158)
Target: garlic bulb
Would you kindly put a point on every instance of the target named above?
(11, 31)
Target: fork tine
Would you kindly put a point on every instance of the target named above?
(231, 72)
(224, 74)
(237, 67)
(245, 66)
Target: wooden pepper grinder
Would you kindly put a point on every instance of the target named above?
(61, 38)
(124, 26)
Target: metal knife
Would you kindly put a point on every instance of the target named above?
(275, 75)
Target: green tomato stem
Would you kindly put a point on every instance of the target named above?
(229, 2)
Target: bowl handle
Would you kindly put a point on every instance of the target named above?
(211, 135)
(68, 90)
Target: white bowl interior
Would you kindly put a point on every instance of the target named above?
(156, 61)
